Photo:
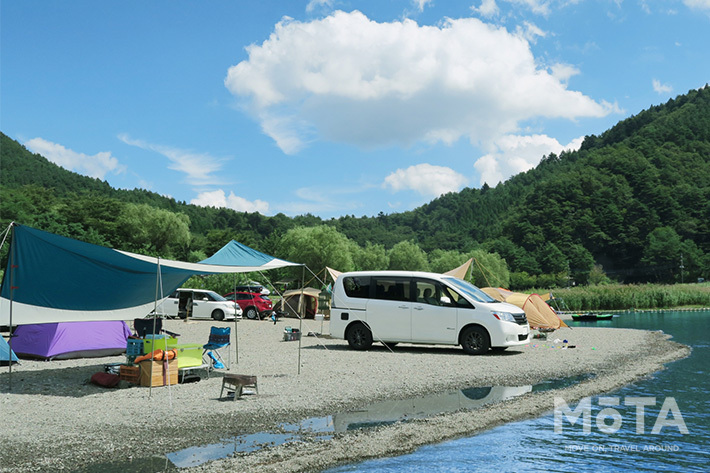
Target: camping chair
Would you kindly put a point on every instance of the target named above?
(219, 338)
(144, 327)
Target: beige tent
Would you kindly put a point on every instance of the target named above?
(301, 301)
(461, 271)
(334, 273)
(539, 314)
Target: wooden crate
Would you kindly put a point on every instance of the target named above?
(158, 377)
(129, 373)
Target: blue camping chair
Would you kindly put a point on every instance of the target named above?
(219, 338)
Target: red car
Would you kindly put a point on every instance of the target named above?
(254, 306)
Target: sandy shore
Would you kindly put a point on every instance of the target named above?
(54, 419)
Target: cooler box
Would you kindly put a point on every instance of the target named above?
(157, 377)
(189, 355)
(157, 342)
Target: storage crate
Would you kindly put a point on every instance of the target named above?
(129, 373)
(134, 349)
(189, 355)
(291, 335)
(158, 377)
(157, 342)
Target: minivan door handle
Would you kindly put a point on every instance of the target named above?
(418, 307)
(403, 307)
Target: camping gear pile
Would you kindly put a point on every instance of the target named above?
(153, 359)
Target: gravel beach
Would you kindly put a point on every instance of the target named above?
(54, 419)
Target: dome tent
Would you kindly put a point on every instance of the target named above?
(539, 314)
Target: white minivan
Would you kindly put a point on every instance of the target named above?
(418, 307)
(199, 304)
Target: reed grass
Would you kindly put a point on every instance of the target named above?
(628, 297)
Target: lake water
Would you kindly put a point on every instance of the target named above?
(534, 446)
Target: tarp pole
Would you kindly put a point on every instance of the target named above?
(155, 314)
(236, 329)
(12, 290)
(300, 317)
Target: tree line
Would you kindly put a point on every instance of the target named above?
(632, 205)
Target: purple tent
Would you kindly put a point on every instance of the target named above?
(64, 340)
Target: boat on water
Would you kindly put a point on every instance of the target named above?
(592, 316)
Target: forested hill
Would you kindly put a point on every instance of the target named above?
(633, 199)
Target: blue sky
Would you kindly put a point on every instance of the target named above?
(333, 107)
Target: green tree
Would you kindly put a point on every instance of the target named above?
(662, 253)
(154, 231)
(406, 255)
(318, 247)
(489, 269)
(597, 276)
(441, 261)
(371, 258)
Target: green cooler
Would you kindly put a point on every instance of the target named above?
(189, 355)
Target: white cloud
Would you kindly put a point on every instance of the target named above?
(661, 89)
(199, 167)
(420, 4)
(530, 31)
(426, 180)
(514, 154)
(539, 7)
(488, 9)
(97, 165)
(219, 199)
(313, 4)
(563, 72)
(698, 5)
(346, 78)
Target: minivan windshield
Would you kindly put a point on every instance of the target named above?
(469, 289)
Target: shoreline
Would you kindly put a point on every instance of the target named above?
(53, 420)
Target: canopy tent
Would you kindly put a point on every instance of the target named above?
(461, 271)
(539, 314)
(334, 273)
(6, 354)
(235, 254)
(51, 278)
(59, 341)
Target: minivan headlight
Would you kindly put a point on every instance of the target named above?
(506, 316)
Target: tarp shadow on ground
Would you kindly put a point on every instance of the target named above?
(74, 381)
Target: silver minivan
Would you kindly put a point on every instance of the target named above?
(418, 307)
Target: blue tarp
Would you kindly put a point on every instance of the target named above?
(59, 279)
(235, 253)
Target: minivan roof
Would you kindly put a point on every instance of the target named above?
(397, 273)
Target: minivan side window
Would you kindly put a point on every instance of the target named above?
(428, 292)
(392, 288)
(434, 293)
(357, 286)
(456, 299)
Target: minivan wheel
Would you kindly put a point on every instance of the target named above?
(475, 341)
(252, 313)
(359, 337)
(217, 314)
